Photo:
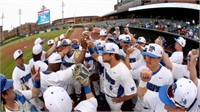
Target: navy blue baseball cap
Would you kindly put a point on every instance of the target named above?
(5, 83)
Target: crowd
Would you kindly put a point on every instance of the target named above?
(188, 29)
(121, 68)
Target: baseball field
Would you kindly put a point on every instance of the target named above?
(7, 61)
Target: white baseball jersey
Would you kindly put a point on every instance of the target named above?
(89, 105)
(196, 106)
(136, 59)
(90, 61)
(159, 78)
(117, 81)
(43, 56)
(60, 78)
(180, 71)
(67, 61)
(177, 57)
(38, 64)
(153, 101)
(22, 98)
(22, 76)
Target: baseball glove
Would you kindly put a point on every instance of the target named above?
(81, 74)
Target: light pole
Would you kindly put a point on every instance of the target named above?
(2, 35)
(63, 5)
(19, 13)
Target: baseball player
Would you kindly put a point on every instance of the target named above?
(56, 99)
(132, 56)
(182, 95)
(36, 60)
(46, 54)
(50, 43)
(153, 54)
(53, 76)
(179, 70)
(177, 56)
(118, 84)
(22, 78)
(15, 100)
(70, 59)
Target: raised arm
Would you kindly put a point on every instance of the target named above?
(127, 61)
(145, 77)
(81, 57)
(193, 62)
(36, 79)
(51, 50)
(91, 48)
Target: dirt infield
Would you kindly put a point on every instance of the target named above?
(8, 51)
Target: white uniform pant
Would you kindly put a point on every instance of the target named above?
(74, 85)
(115, 107)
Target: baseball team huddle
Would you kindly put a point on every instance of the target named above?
(113, 69)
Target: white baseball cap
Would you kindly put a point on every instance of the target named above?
(17, 53)
(57, 100)
(103, 33)
(62, 36)
(181, 41)
(181, 93)
(84, 32)
(121, 36)
(126, 38)
(87, 106)
(59, 44)
(141, 40)
(66, 42)
(54, 58)
(110, 48)
(37, 49)
(153, 50)
(50, 42)
(39, 41)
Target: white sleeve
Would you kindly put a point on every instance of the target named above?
(153, 101)
(136, 72)
(16, 80)
(27, 94)
(65, 75)
(179, 71)
(176, 58)
(100, 60)
(43, 66)
(89, 105)
(127, 82)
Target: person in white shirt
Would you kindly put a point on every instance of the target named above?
(118, 83)
(16, 100)
(57, 100)
(46, 54)
(182, 95)
(22, 78)
(177, 56)
(36, 60)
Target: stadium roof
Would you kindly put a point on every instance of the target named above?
(167, 5)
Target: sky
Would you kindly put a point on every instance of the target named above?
(30, 9)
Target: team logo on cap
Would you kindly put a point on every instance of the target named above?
(127, 39)
(19, 52)
(151, 48)
(174, 87)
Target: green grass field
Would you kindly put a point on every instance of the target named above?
(7, 68)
